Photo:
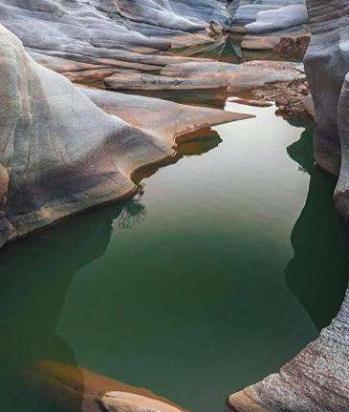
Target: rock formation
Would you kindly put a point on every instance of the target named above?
(209, 75)
(317, 379)
(265, 16)
(278, 19)
(280, 26)
(101, 37)
(61, 154)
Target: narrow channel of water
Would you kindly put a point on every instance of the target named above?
(225, 267)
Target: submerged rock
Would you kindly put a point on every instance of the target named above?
(61, 154)
(123, 401)
(67, 387)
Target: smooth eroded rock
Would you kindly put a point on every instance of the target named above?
(62, 153)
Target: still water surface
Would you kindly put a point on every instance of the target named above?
(226, 266)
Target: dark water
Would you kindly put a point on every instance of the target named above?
(224, 268)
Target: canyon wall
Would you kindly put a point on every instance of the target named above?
(317, 380)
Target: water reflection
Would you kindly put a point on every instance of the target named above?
(317, 274)
(229, 50)
(35, 277)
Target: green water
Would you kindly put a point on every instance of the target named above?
(225, 267)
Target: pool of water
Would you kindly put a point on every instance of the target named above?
(227, 264)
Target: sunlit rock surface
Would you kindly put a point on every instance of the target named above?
(61, 154)
(278, 19)
(209, 75)
(248, 12)
(100, 37)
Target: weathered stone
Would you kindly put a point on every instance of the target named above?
(327, 64)
(62, 153)
(279, 19)
(105, 34)
(317, 380)
(246, 11)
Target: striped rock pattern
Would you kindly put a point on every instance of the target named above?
(100, 37)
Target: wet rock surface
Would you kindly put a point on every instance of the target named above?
(72, 388)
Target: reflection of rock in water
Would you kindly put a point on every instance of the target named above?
(35, 275)
(67, 388)
(317, 274)
(192, 144)
(132, 214)
(195, 144)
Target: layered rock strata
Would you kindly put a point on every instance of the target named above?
(209, 75)
(97, 38)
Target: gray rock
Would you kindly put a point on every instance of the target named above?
(278, 19)
(327, 64)
(100, 32)
(246, 11)
(61, 154)
(317, 380)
